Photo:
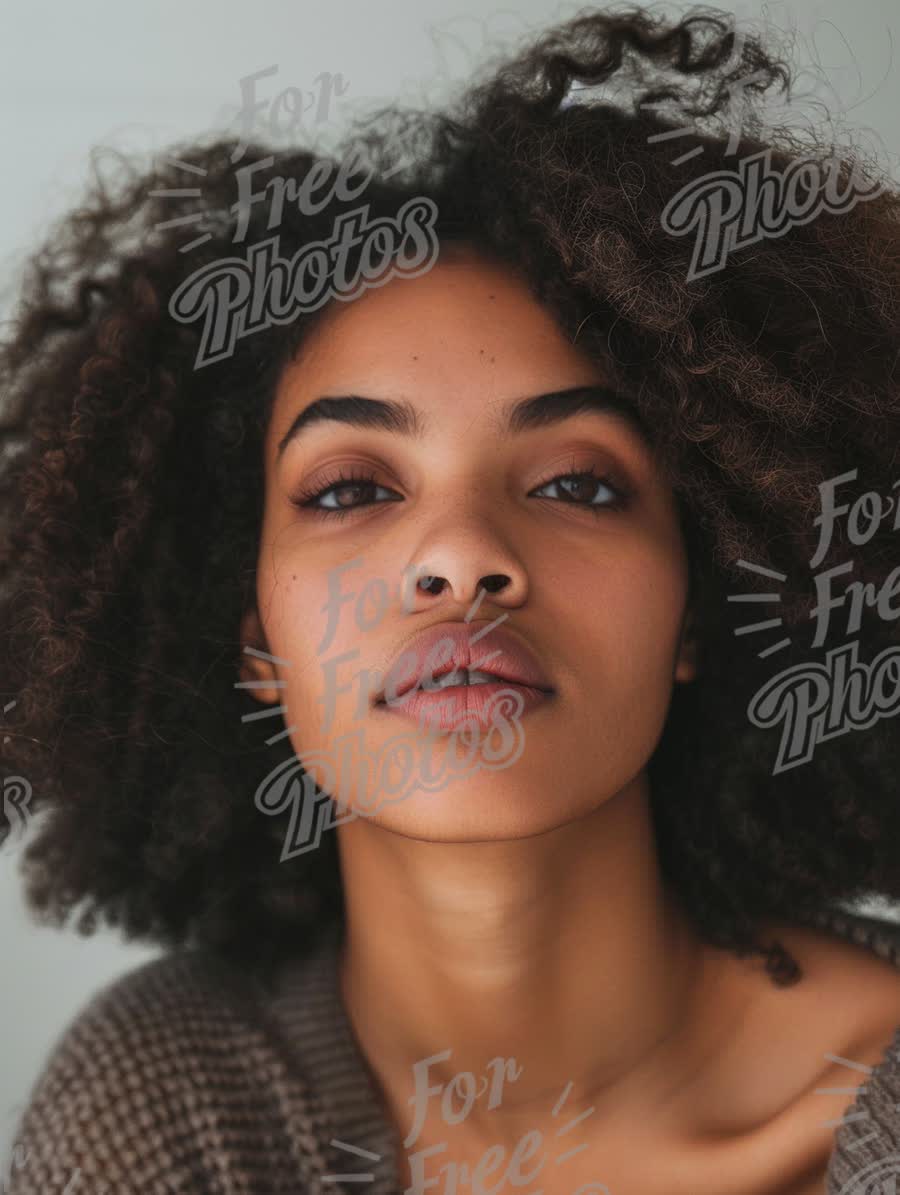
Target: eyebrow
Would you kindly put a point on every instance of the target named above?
(402, 418)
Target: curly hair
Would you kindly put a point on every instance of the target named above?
(130, 557)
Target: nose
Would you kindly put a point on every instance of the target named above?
(461, 565)
(491, 584)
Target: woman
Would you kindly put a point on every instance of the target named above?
(555, 464)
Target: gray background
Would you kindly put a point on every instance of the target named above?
(141, 75)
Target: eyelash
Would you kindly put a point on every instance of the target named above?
(308, 499)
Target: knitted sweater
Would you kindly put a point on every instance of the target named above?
(186, 1075)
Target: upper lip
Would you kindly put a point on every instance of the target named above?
(451, 646)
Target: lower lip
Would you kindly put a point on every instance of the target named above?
(447, 708)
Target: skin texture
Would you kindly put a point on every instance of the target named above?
(521, 913)
(466, 515)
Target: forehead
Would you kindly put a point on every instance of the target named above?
(464, 334)
(460, 305)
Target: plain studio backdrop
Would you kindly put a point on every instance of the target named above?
(140, 76)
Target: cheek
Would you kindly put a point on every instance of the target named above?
(292, 589)
(292, 608)
(322, 621)
(627, 612)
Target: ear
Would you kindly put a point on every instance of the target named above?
(686, 667)
(253, 668)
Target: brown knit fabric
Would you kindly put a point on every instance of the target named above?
(186, 1075)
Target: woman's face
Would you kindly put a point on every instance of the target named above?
(595, 589)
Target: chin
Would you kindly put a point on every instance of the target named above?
(472, 810)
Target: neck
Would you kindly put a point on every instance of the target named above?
(563, 951)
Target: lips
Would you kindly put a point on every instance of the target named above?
(453, 645)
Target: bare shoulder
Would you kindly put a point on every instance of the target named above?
(785, 1077)
(826, 1030)
(848, 991)
(846, 1004)
(849, 1006)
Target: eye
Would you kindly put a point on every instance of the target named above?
(588, 482)
(345, 489)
